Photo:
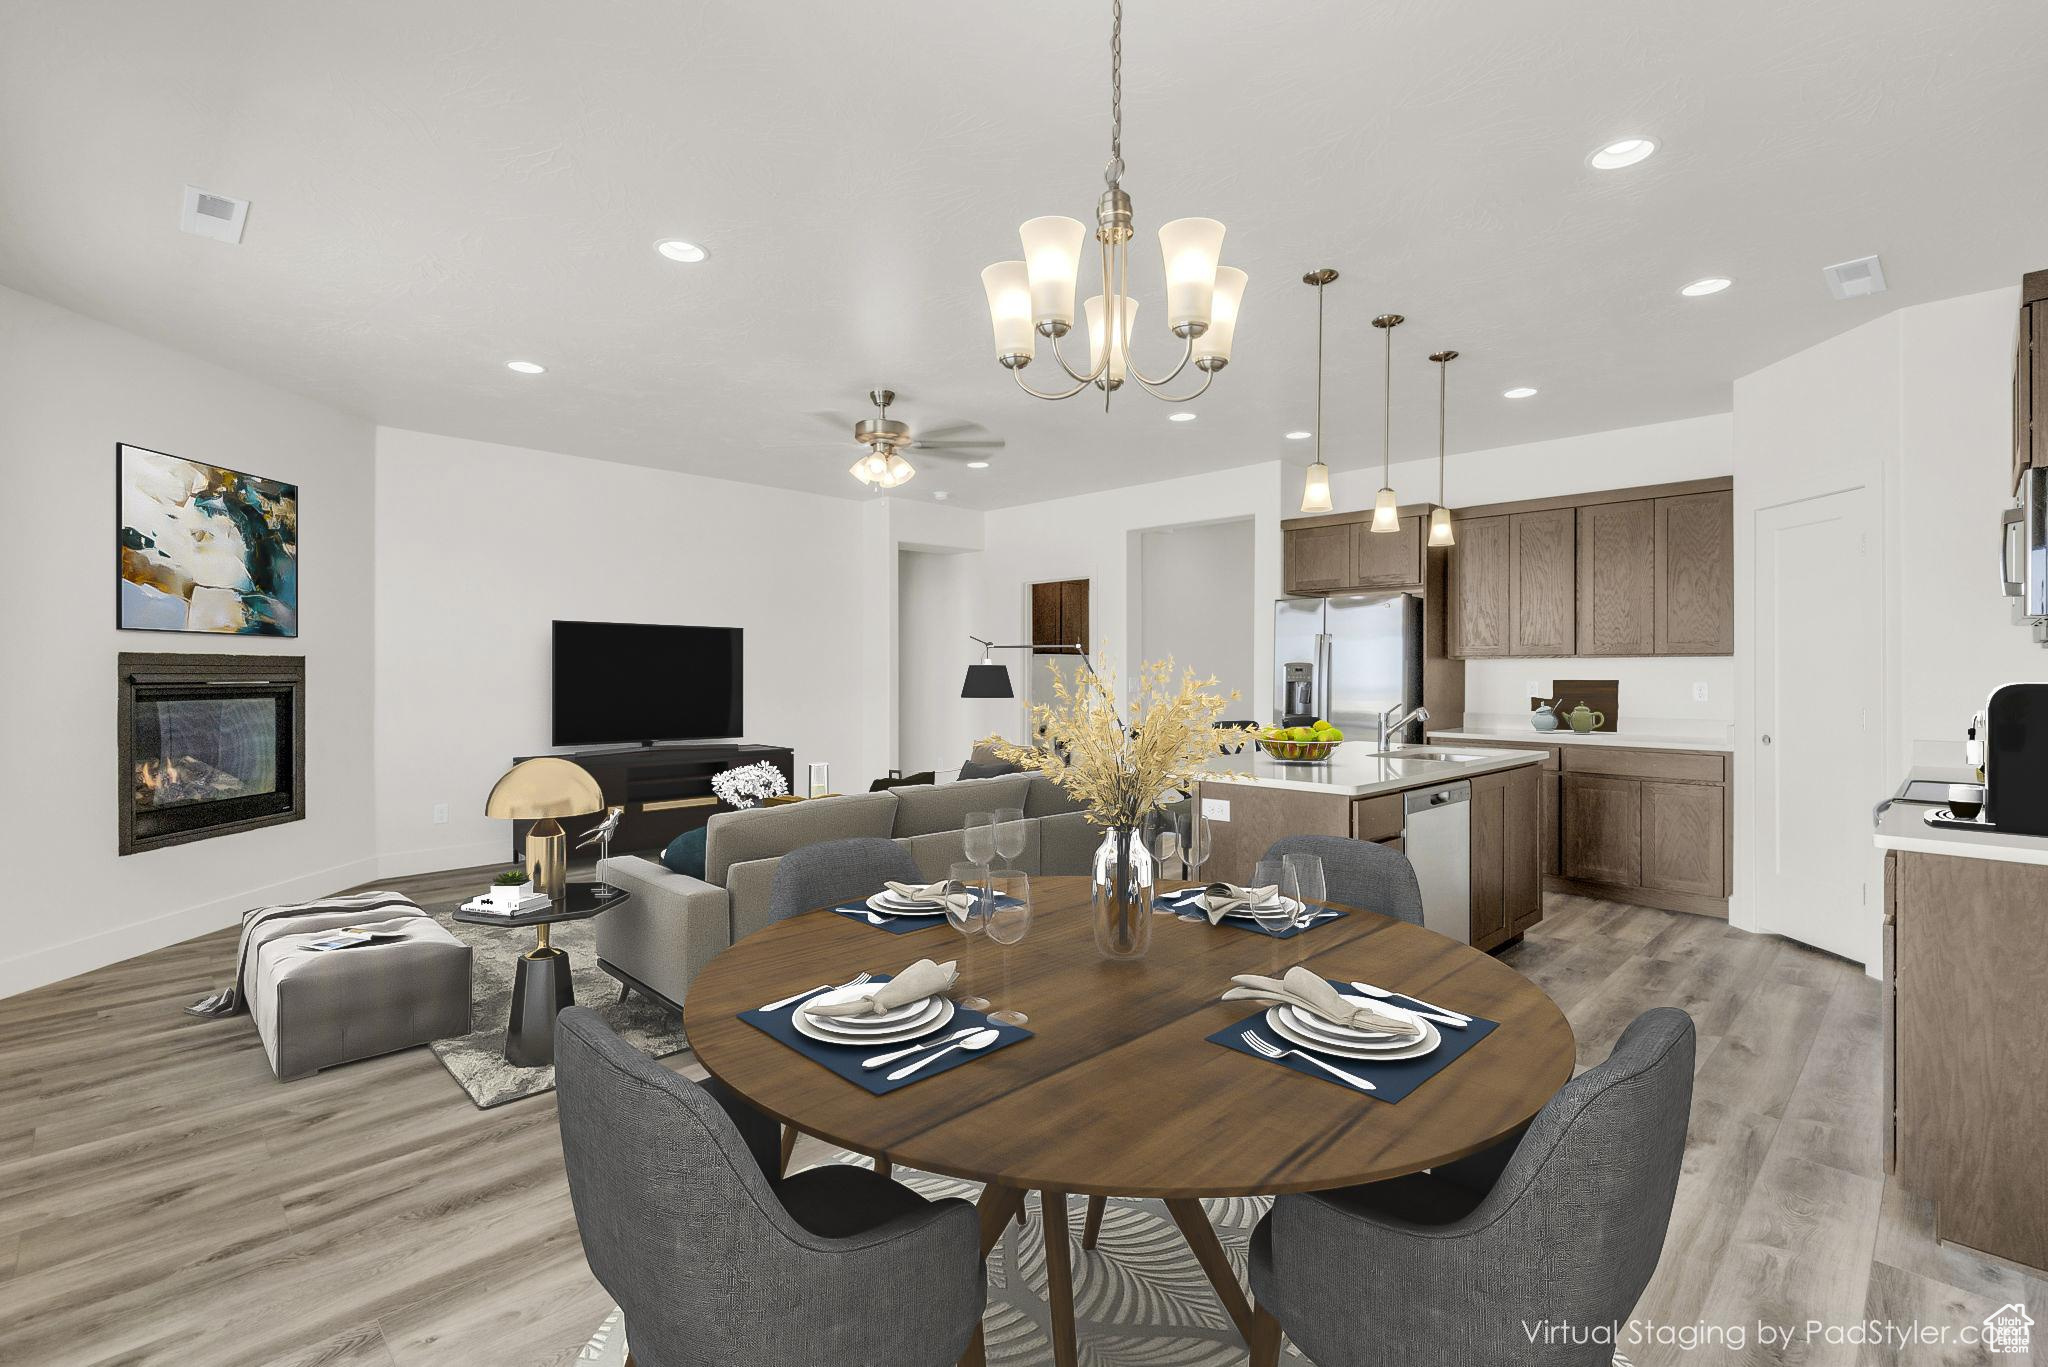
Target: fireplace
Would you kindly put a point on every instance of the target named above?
(210, 745)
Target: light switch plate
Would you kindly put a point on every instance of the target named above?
(440, 813)
(1216, 808)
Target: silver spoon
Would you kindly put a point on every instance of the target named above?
(980, 1039)
(879, 1059)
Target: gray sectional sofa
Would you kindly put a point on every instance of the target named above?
(675, 924)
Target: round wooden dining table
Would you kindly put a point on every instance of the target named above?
(1119, 1092)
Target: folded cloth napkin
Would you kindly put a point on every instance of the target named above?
(1220, 899)
(1310, 992)
(922, 979)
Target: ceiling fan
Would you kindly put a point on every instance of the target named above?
(883, 467)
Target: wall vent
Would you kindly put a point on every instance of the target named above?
(206, 214)
(1854, 279)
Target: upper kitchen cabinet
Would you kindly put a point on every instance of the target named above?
(1541, 582)
(1479, 588)
(1387, 560)
(1696, 574)
(1318, 558)
(1617, 545)
(2030, 378)
(1341, 553)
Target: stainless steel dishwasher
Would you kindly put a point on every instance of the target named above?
(1436, 833)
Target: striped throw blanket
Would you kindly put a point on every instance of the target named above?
(262, 923)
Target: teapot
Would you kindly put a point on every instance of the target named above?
(1544, 718)
(1584, 718)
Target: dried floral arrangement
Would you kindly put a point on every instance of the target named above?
(748, 784)
(1119, 770)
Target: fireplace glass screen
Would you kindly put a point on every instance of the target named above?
(191, 750)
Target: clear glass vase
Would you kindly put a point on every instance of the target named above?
(1123, 894)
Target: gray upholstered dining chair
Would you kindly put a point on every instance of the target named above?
(1361, 874)
(1562, 1224)
(713, 1261)
(836, 871)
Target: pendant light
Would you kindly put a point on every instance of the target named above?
(1315, 490)
(1386, 509)
(1440, 533)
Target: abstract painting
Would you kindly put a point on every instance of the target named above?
(206, 549)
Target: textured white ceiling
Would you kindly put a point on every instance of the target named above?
(441, 187)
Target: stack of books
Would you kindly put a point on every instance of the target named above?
(489, 904)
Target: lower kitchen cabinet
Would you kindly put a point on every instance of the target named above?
(1644, 826)
(1684, 835)
(1600, 826)
(1506, 877)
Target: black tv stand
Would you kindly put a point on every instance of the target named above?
(664, 787)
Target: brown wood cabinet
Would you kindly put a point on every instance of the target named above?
(1644, 826)
(1542, 555)
(1339, 555)
(1695, 578)
(1600, 828)
(1506, 881)
(1318, 558)
(1617, 547)
(1684, 833)
(2030, 378)
(1387, 560)
(1479, 588)
(1059, 615)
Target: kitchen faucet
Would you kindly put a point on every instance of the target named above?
(1389, 723)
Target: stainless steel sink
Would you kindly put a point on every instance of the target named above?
(1432, 754)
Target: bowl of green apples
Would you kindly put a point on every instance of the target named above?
(1301, 744)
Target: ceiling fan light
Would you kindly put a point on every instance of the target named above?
(1190, 247)
(1008, 286)
(899, 471)
(859, 470)
(1315, 490)
(1440, 533)
(1212, 348)
(1052, 263)
(1118, 343)
(1386, 512)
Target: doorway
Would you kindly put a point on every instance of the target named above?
(1815, 748)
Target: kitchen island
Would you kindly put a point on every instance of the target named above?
(1467, 817)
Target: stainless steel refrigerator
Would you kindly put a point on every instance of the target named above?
(1349, 659)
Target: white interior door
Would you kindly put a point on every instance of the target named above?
(1815, 749)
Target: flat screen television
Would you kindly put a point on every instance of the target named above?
(639, 681)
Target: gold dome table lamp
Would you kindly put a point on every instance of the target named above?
(540, 790)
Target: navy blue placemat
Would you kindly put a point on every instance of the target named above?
(902, 925)
(1182, 903)
(1391, 1081)
(845, 1059)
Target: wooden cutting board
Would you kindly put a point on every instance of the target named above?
(1601, 695)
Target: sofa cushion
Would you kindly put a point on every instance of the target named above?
(770, 832)
(923, 811)
(883, 785)
(1047, 798)
(973, 770)
(685, 854)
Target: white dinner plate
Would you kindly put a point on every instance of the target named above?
(864, 1027)
(1346, 1034)
(900, 1015)
(826, 1030)
(1280, 1025)
(1285, 907)
(890, 905)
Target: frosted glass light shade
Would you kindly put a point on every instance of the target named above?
(1214, 345)
(1386, 512)
(1052, 260)
(1008, 286)
(899, 471)
(1097, 314)
(1440, 533)
(1315, 490)
(1190, 247)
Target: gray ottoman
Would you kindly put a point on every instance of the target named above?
(316, 1008)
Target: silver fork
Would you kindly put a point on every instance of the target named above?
(1260, 1046)
(791, 1001)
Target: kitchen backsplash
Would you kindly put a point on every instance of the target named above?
(1658, 696)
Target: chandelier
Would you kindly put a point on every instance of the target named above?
(1034, 297)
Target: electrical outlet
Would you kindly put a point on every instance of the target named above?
(440, 813)
(1699, 692)
(1216, 808)
(1534, 688)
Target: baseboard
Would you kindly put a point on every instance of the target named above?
(54, 963)
(1716, 907)
(440, 858)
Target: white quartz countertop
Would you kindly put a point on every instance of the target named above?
(1627, 740)
(1903, 826)
(1356, 771)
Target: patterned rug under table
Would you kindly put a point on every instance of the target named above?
(1139, 1295)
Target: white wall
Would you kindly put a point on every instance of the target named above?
(482, 546)
(70, 389)
(933, 654)
(1196, 605)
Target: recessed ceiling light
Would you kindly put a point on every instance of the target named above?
(977, 465)
(1299, 436)
(675, 249)
(940, 495)
(1518, 392)
(1626, 152)
(1181, 417)
(527, 367)
(1713, 284)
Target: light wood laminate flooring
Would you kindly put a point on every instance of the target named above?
(164, 1200)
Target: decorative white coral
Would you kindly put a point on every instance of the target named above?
(748, 784)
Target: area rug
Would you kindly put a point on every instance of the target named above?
(477, 1060)
(1139, 1296)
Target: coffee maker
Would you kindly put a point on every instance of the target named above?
(2015, 743)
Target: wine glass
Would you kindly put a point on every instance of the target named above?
(1195, 839)
(1310, 886)
(978, 838)
(1011, 833)
(970, 918)
(1009, 918)
(1161, 838)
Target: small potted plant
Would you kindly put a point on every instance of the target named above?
(511, 887)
